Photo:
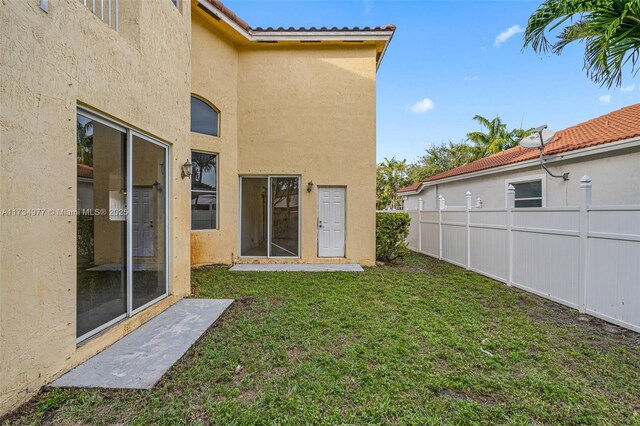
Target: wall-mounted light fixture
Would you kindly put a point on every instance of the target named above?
(309, 186)
(187, 169)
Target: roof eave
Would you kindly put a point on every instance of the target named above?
(554, 158)
(258, 36)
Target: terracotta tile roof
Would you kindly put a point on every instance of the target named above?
(243, 24)
(85, 171)
(615, 126)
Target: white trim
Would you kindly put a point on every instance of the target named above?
(129, 225)
(256, 35)
(130, 133)
(101, 119)
(191, 191)
(148, 304)
(100, 328)
(524, 179)
(577, 153)
(167, 199)
(274, 36)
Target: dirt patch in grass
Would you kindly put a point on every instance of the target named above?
(294, 353)
(485, 401)
(416, 268)
(248, 396)
(276, 372)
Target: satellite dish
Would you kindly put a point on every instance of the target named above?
(534, 139)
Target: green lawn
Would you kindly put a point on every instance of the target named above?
(423, 343)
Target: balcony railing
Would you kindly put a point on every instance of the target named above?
(106, 10)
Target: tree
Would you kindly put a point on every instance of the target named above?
(391, 175)
(84, 135)
(609, 28)
(202, 163)
(440, 158)
(496, 139)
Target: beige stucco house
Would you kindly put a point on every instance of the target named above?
(141, 138)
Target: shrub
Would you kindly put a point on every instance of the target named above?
(391, 236)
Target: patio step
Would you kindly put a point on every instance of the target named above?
(140, 359)
(296, 267)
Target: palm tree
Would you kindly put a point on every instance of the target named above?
(609, 28)
(494, 140)
(84, 134)
(203, 163)
(391, 175)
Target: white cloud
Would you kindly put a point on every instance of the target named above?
(422, 106)
(471, 78)
(629, 88)
(368, 7)
(605, 99)
(507, 34)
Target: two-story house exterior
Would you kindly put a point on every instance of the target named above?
(140, 138)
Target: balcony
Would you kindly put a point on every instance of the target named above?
(105, 10)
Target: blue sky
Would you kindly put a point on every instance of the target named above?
(448, 53)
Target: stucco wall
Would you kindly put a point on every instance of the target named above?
(214, 77)
(310, 111)
(287, 109)
(50, 63)
(615, 178)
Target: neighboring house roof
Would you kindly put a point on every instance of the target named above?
(615, 126)
(381, 35)
(85, 171)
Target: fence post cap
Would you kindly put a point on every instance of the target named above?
(511, 188)
(585, 179)
(468, 193)
(440, 197)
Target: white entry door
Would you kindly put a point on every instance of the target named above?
(331, 221)
(142, 223)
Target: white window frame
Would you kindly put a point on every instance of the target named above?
(213, 107)
(524, 179)
(130, 133)
(217, 228)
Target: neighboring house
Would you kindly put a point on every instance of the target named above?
(606, 148)
(108, 107)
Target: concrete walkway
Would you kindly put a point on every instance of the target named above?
(296, 267)
(140, 359)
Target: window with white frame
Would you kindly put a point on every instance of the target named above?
(205, 118)
(528, 194)
(204, 191)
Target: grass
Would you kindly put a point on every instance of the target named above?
(422, 343)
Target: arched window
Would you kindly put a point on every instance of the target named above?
(204, 118)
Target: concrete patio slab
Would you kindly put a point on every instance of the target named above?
(140, 359)
(296, 267)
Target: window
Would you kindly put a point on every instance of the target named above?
(204, 191)
(528, 194)
(204, 118)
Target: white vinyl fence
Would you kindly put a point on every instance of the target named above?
(585, 257)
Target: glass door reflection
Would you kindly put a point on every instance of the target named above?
(101, 279)
(148, 222)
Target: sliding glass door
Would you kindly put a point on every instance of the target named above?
(270, 217)
(121, 251)
(148, 222)
(101, 238)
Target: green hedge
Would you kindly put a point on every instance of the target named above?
(391, 236)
